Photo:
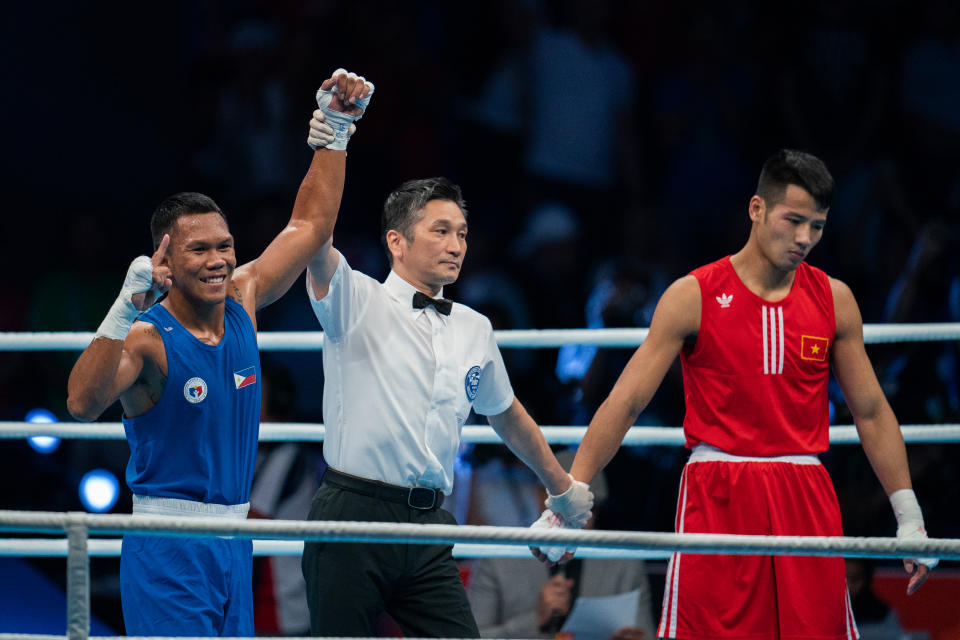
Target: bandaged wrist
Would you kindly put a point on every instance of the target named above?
(116, 325)
(340, 123)
(906, 509)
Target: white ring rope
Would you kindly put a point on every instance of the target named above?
(477, 434)
(530, 338)
(110, 548)
(336, 531)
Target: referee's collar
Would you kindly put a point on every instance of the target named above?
(403, 291)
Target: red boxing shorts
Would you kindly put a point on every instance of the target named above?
(752, 597)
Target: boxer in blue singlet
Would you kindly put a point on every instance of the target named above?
(187, 374)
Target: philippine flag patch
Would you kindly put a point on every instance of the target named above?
(245, 377)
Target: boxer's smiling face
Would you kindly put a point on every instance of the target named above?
(201, 257)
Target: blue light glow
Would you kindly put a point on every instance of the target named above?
(42, 444)
(99, 490)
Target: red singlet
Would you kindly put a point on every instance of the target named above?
(755, 382)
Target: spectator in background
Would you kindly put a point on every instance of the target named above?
(524, 598)
(834, 94)
(252, 148)
(551, 251)
(704, 103)
(551, 270)
(624, 296)
(927, 291)
(930, 100)
(536, 95)
(585, 165)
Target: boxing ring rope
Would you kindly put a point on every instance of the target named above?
(476, 434)
(512, 338)
(79, 526)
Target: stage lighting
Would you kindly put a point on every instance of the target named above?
(42, 444)
(99, 490)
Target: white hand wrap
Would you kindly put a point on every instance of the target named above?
(910, 520)
(122, 314)
(573, 505)
(339, 121)
(550, 520)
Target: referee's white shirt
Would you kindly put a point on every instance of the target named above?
(400, 382)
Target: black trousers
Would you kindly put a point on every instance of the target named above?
(350, 584)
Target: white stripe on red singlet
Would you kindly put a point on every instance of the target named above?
(772, 331)
(766, 361)
(773, 341)
(780, 323)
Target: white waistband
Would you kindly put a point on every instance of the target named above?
(707, 453)
(156, 506)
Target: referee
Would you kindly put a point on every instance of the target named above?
(403, 367)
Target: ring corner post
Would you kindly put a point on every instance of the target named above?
(78, 579)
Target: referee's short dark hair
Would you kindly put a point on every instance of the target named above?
(404, 206)
(787, 167)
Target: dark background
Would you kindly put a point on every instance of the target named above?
(604, 149)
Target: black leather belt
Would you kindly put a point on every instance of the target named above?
(414, 497)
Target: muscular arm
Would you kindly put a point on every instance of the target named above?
(268, 277)
(676, 319)
(522, 435)
(878, 427)
(107, 369)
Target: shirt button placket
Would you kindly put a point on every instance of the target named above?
(433, 416)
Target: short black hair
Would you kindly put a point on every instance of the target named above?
(179, 204)
(404, 204)
(805, 170)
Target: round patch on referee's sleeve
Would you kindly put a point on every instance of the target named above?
(472, 382)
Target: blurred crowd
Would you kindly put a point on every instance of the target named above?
(604, 150)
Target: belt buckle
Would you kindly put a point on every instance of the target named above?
(421, 498)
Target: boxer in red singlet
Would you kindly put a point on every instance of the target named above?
(757, 333)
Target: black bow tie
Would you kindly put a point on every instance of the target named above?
(422, 301)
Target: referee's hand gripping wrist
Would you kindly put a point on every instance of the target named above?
(573, 505)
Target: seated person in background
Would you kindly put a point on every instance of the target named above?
(525, 598)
